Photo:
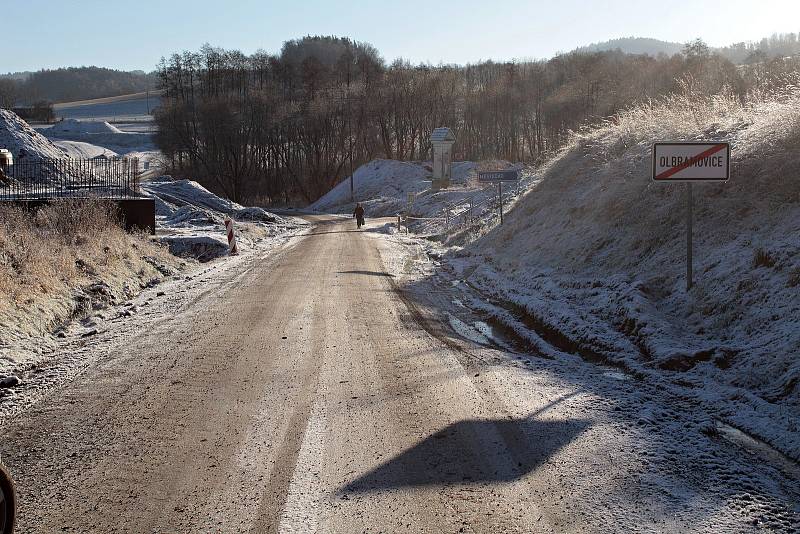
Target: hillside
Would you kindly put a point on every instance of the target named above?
(78, 83)
(594, 258)
(775, 46)
(635, 45)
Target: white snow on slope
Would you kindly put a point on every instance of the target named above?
(382, 186)
(594, 257)
(80, 150)
(190, 219)
(18, 137)
(102, 134)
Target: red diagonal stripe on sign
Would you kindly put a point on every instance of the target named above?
(689, 162)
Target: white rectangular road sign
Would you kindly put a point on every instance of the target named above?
(691, 162)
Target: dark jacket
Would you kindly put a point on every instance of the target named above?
(359, 212)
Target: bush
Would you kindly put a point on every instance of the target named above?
(762, 258)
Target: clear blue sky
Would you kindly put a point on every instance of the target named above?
(136, 34)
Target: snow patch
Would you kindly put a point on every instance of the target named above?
(23, 141)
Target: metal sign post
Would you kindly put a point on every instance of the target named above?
(500, 197)
(691, 162)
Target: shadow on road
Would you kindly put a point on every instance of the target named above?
(367, 273)
(336, 232)
(466, 452)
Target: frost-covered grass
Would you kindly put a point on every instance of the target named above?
(595, 254)
(59, 262)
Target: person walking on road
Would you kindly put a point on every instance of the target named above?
(358, 213)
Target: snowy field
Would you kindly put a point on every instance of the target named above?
(101, 134)
(127, 108)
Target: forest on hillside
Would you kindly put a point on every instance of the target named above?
(778, 45)
(290, 126)
(70, 84)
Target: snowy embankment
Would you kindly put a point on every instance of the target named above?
(18, 137)
(592, 260)
(191, 219)
(58, 271)
(383, 187)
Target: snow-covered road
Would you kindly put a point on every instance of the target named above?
(342, 383)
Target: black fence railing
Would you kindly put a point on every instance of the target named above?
(42, 179)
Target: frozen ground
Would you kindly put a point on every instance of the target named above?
(590, 262)
(190, 219)
(593, 261)
(644, 457)
(345, 403)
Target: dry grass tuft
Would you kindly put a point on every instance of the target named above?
(794, 278)
(762, 258)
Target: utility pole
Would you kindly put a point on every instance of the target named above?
(350, 137)
(350, 152)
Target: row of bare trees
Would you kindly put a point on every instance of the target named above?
(288, 127)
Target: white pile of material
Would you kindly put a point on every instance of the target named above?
(81, 150)
(595, 257)
(190, 218)
(16, 135)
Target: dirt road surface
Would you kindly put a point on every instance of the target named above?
(301, 393)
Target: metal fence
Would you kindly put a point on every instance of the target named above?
(42, 179)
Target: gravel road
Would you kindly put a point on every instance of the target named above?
(300, 393)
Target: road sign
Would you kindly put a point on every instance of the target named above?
(492, 177)
(691, 162)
